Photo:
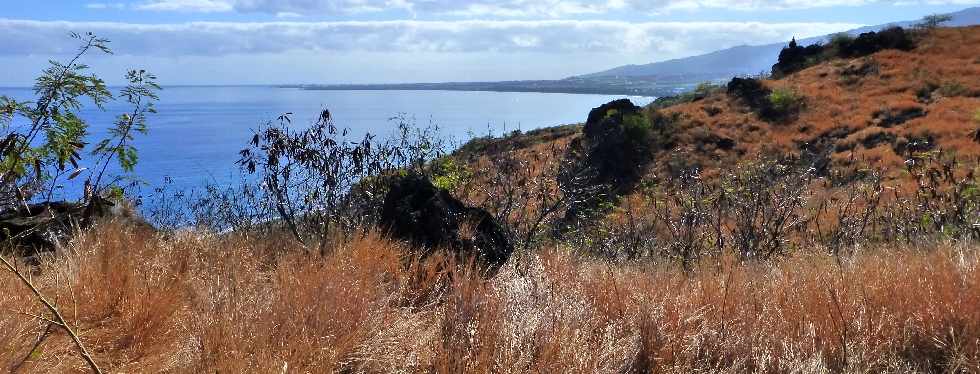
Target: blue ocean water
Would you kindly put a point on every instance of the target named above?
(195, 137)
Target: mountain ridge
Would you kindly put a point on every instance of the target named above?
(748, 59)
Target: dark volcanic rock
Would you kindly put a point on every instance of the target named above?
(893, 117)
(750, 91)
(39, 227)
(427, 216)
(617, 150)
(794, 58)
(603, 119)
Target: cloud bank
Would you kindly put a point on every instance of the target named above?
(667, 40)
(506, 8)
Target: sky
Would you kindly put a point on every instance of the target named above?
(200, 42)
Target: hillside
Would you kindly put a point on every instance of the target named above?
(744, 228)
(872, 110)
(741, 60)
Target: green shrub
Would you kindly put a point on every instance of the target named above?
(953, 89)
(42, 140)
(933, 21)
(702, 91)
(785, 101)
(637, 128)
(837, 43)
(448, 174)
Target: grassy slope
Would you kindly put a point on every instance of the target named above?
(199, 303)
(947, 58)
(195, 302)
(842, 108)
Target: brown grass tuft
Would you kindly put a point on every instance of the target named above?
(194, 302)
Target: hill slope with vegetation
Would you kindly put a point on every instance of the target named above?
(821, 220)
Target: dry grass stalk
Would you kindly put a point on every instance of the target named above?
(194, 302)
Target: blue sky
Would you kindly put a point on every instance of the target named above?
(358, 41)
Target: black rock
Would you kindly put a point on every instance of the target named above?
(606, 117)
(40, 227)
(616, 153)
(429, 217)
(794, 58)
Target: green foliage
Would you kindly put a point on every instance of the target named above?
(933, 21)
(449, 174)
(703, 90)
(41, 138)
(785, 101)
(637, 128)
(611, 113)
(140, 94)
(837, 43)
(953, 89)
(976, 116)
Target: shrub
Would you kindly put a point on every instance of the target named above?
(749, 90)
(449, 174)
(768, 104)
(42, 141)
(838, 42)
(933, 21)
(703, 90)
(618, 138)
(794, 58)
(871, 42)
(953, 89)
(784, 101)
(304, 178)
(638, 131)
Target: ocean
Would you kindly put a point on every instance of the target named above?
(195, 137)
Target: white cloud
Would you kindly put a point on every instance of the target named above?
(105, 5)
(506, 8)
(667, 39)
(203, 6)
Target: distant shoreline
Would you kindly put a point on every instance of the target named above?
(451, 87)
(647, 87)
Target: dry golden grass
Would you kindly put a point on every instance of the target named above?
(194, 302)
(944, 61)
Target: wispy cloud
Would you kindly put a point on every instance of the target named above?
(202, 6)
(506, 8)
(105, 5)
(671, 39)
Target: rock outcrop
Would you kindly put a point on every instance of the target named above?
(617, 143)
(41, 227)
(417, 211)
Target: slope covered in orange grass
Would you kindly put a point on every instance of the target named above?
(873, 109)
(193, 302)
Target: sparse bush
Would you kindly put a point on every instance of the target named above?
(953, 89)
(856, 71)
(305, 178)
(837, 43)
(785, 101)
(449, 174)
(43, 140)
(766, 201)
(794, 58)
(933, 21)
(770, 105)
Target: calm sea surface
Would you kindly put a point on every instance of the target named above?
(196, 134)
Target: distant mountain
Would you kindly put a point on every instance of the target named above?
(742, 60)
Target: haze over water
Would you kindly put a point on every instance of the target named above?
(197, 133)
